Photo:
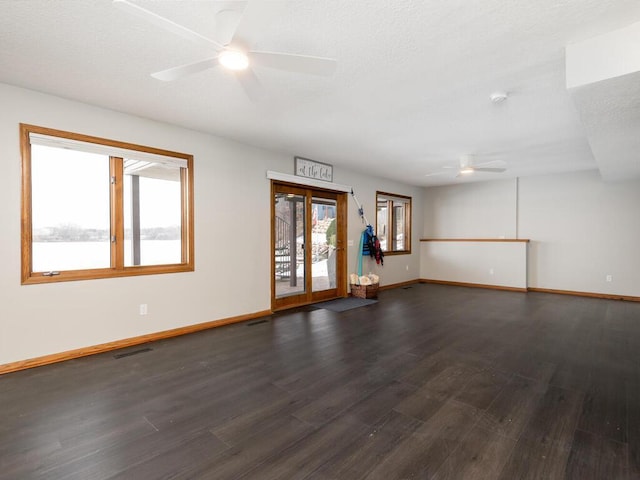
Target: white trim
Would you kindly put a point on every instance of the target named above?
(70, 144)
(309, 182)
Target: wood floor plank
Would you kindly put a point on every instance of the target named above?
(483, 388)
(186, 460)
(310, 453)
(594, 457)
(421, 405)
(556, 416)
(544, 446)
(368, 450)
(575, 375)
(92, 454)
(633, 425)
(332, 403)
(513, 408)
(263, 445)
(604, 410)
(380, 402)
(422, 453)
(235, 429)
(121, 454)
(211, 409)
(532, 461)
(319, 377)
(369, 378)
(450, 382)
(480, 455)
(530, 365)
(430, 366)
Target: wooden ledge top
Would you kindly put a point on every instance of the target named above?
(522, 240)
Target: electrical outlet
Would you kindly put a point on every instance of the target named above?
(407, 268)
(143, 309)
(609, 278)
(349, 243)
(491, 271)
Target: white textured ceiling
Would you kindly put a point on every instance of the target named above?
(410, 93)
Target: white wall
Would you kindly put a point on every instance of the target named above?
(473, 210)
(581, 228)
(499, 264)
(232, 275)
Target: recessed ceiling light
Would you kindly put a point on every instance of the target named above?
(233, 60)
(466, 170)
(498, 97)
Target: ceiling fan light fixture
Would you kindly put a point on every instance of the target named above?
(234, 60)
(498, 97)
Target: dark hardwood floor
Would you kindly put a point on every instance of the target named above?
(432, 382)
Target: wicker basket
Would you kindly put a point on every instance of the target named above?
(364, 291)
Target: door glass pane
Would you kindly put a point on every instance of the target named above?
(70, 209)
(152, 213)
(289, 251)
(323, 244)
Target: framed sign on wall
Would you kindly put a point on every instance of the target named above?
(312, 169)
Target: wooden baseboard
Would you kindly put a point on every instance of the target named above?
(606, 296)
(474, 285)
(127, 342)
(398, 285)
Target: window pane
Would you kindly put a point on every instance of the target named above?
(398, 225)
(152, 213)
(382, 220)
(70, 210)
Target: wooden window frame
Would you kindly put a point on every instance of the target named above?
(390, 219)
(117, 268)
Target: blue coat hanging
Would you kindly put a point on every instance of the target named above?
(371, 245)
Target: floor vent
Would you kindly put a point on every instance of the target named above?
(256, 322)
(132, 352)
(406, 288)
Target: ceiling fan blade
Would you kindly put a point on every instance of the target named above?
(437, 173)
(227, 20)
(294, 63)
(250, 84)
(495, 170)
(183, 70)
(491, 163)
(164, 23)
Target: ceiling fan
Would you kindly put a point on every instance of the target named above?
(229, 52)
(467, 166)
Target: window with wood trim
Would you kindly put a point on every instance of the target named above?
(393, 222)
(98, 208)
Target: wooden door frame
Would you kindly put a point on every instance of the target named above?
(341, 241)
